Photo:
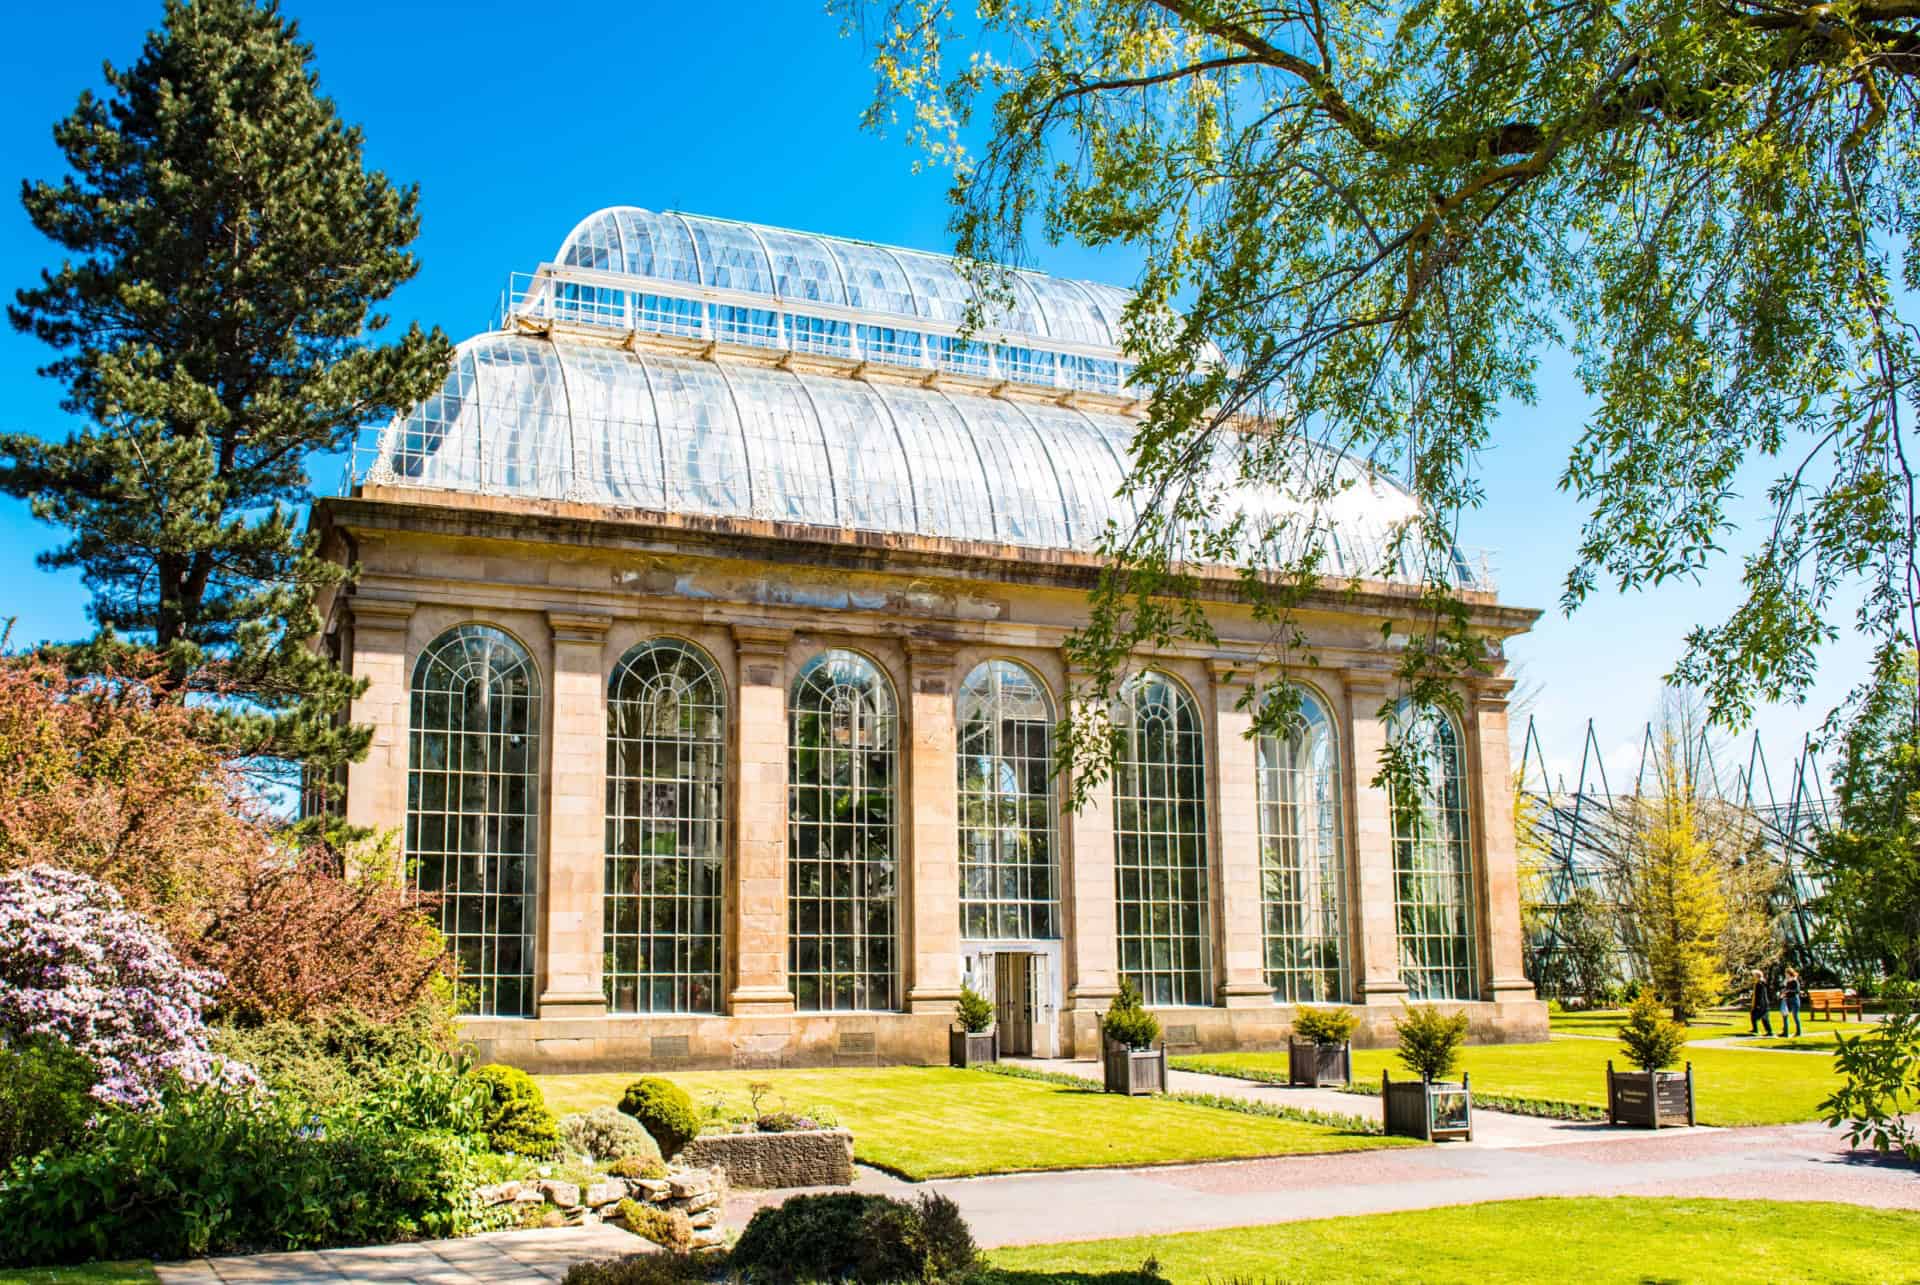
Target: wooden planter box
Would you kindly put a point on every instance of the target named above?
(1650, 1099)
(1319, 1064)
(973, 1048)
(1433, 1111)
(1135, 1072)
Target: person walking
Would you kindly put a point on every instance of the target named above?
(1760, 1009)
(1790, 999)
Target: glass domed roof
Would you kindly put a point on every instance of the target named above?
(547, 418)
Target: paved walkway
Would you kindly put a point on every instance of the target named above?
(498, 1258)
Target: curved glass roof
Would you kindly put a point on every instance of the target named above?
(801, 267)
(552, 419)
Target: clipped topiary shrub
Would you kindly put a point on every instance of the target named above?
(1652, 1039)
(872, 1240)
(1430, 1041)
(648, 1166)
(663, 1110)
(1325, 1025)
(1127, 1021)
(605, 1134)
(665, 1227)
(515, 1118)
(974, 1010)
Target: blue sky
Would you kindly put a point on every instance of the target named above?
(517, 120)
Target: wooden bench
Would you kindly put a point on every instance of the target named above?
(1833, 1001)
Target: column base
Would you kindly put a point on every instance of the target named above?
(760, 1001)
(1246, 995)
(565, 1004)
(1383, 991)
(1508, 990)
(933, 999)
(1091, 996)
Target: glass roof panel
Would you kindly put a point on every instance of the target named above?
(875, 280)
(1071, 314)
(731, 256)
(793, 477)
(1026, 496)
(802, 268)
(622, 462)
(700, 440)
(951, 489)
(1089, 469)
(877, 485)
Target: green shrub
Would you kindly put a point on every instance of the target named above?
(1652, 1039)
(1430, 1041)
(515, 1117)
(974, 1010)
(1127, 1021)
(868, 1239)
(644, 1166)
(605, 1134)
(669, 1228)
(663, 1110)
(43, 1099)
(213, 1172)
(329, 1061)
(640, 1269)
(1325, 1025)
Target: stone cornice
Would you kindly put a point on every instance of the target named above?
(379, 613)
(577, 626)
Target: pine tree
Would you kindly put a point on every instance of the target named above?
(1675, 892)
(214, 325)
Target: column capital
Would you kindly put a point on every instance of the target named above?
(578, 626)
(379, 613)
(761, 642)
(1364, 681)
(1491, 693)
(1233, 672)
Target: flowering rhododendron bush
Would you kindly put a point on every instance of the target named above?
(79, 967)
(113, 778)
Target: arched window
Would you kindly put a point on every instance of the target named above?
(666, 830)
(473, 809)
(842, 837)
(1302, 871)
(1160, 842)
(1009, 860)
(1433, 862)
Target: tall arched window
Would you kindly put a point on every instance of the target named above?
(1433, 861)
(666, 830)
(1302, 871)
(842, 836)
(1009, 860)
(1160, 842)
(473, 810)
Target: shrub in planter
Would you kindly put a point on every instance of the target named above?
(605, 1134)
(1325, 1025)
(663, 1110)
(1430, 1041)
(44, 1102)
(669, 1228)
(1651, 1040)
(515, 1118)
(974, 1011)
(1127, 1022)
(872, 1240)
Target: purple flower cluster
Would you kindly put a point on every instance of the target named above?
(77, 966)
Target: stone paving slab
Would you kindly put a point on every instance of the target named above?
(538, 1257)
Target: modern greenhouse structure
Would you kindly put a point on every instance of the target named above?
(712, 616)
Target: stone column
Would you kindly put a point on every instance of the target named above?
(933, 886)
(759, 936)
(576, 811)
(1236, 832)
(1091, 957)
(377, 784)
(1375, 922)
(1502, 968)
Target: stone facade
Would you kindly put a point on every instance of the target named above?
(804, 1158)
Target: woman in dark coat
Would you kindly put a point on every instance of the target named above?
(1760, 1011)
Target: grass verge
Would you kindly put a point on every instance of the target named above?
(936, 1122)
(129, 1273)
(1595, 1241)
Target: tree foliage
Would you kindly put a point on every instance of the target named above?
(1869, 864)
(214, 324)
(1675, 901)
(1363, 223)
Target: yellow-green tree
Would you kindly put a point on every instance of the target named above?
(1676, 896)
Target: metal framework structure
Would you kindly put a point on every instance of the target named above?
(1579, 830)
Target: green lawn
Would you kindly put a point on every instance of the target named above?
(90, 1274)
(934, 1122)
(1731, 1086)
(1587, 1240)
